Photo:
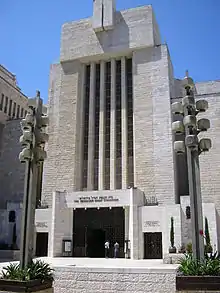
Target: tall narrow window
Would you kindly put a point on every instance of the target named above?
(107, 123)
(22, 112)
(130, 123)
(12, 217)
(2, 102)
(97, 108)
(188, 213)
(18, 112)
(10, 108)
(6, 105)
(118, 126)
(86, 127)
(14, 110)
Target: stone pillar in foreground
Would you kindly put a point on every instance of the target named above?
(61, 227)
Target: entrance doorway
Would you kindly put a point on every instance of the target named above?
(92, 227)
(153, 245)
(95, 240)
(41, 244)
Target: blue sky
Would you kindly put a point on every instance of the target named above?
(30, 36)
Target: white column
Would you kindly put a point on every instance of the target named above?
(133, 227)
(113, 127)
(102, 127)
(124, 130)
(126, 215)
(80, 132)
(91, 137)
(61, 225)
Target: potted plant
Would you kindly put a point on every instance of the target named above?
(36, 277)
(172, 248)
(208, 246)
(196, 275)
(182, 249)
(189, 247)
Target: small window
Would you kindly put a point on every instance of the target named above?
(188, 213)
(14, 110)
(22, 112)
(12, 217)
(6, 105)
(2, 102)
(10, 108)
(18, 112)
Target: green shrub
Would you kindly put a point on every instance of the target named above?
(208, 248)
(37, 270)
(189, 247)
(189, 266)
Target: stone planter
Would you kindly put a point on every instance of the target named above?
(172, 249)
(26, 286)
(9, 254)
(172, 258)
(198, 283)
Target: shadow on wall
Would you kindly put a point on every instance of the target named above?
(118, 38)
(70, 67)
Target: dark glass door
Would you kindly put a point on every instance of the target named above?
(41, 244)
(153, 245)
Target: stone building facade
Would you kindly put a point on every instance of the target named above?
(111, 173)
(13, 107)
(111, 145)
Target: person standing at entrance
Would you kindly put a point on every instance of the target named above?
(116, 249)
(107, 249)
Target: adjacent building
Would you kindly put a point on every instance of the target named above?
(13, 107)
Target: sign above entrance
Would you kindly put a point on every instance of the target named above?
(98, 199)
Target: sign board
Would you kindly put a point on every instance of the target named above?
(86, 199)
(152, 219)
(93, 199)
(41, 225)
(67, 246)
(151, 224)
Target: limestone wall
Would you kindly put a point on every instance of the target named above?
(153, 149)
(11, 170)
(59, 168)
(114, 280)
(133, 28)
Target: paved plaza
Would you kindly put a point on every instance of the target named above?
(84, 262)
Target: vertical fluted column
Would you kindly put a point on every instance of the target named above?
(102, 127)
(113, 127)
(91, 137)
(80, 132)
(124, 125)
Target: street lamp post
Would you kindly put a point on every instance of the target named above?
(33, 138)
(189, 109)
